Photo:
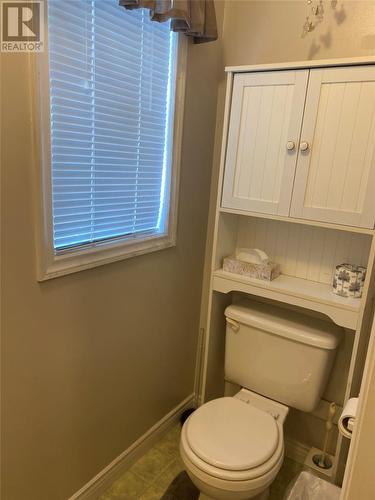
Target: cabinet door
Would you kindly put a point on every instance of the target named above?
(266, 117)
(335, 172)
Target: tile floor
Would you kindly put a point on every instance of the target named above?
(151, 475)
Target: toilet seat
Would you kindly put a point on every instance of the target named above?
(206, 450)
(237, 436)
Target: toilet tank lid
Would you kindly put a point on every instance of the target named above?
(286, 323)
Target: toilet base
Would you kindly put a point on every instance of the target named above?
(261, 496)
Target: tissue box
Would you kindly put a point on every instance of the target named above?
(349, 280)
(260, 271)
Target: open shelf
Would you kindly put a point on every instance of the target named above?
(296, 291)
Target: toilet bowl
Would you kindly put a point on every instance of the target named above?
(233, 447)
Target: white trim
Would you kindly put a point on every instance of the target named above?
(319, 63)
(207, 333)
(103, 480)
(50, 265)
(358, 434)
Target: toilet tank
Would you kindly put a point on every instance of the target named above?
(281, 354)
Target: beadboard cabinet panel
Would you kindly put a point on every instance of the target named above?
(266, 115)
(302, 251)
(335, 175)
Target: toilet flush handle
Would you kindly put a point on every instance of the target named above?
(233, 324)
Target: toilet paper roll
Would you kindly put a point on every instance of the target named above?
(347, 418)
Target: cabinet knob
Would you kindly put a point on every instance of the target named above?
(304, 146)
(290, 145)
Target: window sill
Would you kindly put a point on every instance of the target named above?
(88, 258)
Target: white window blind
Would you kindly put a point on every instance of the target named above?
(112, 83)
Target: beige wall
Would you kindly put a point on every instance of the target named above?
(269, 31)
(92, 360)
(263, 31)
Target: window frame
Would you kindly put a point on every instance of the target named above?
(51, 264)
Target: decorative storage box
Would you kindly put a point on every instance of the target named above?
(264, 270)
(349, 280)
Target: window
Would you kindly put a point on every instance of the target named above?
(111, 152)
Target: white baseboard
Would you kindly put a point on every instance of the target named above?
(103, 480)
(296, 451)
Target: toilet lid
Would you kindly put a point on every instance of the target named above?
(232, 435)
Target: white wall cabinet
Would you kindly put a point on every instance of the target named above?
(335, 177)
(266, 116)
(308, 210)
(302, 144)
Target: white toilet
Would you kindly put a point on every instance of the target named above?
(233, 447)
